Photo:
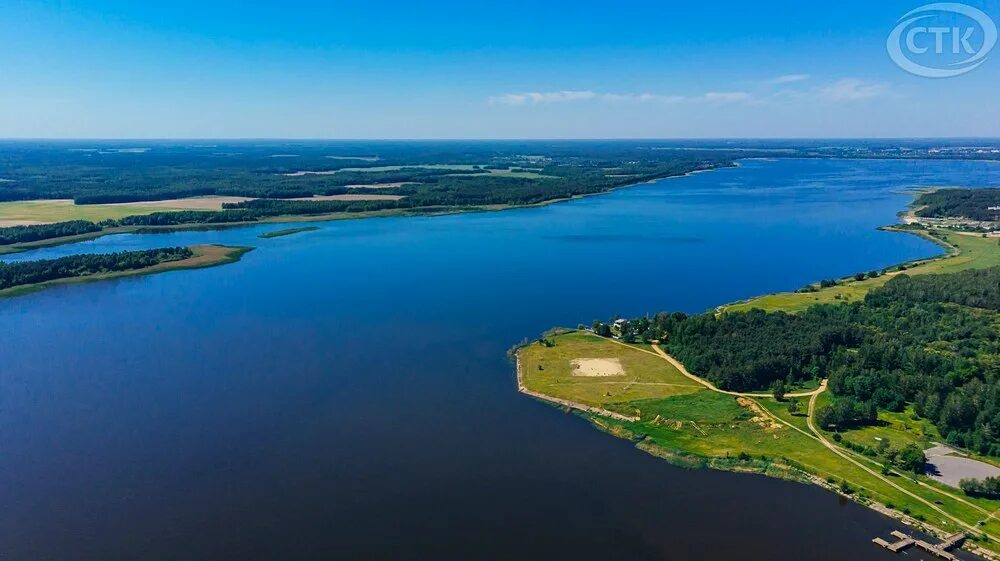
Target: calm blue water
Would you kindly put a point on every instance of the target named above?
(344, 394)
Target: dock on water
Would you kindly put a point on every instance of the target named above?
(941, 550)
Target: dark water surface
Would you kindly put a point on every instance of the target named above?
(344, 394)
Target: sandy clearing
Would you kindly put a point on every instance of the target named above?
(597, 367)
(380, 185)
(760, 417)
(210, 202)
(361, 158)
(303, 173)
(349, 198)
(9, 223)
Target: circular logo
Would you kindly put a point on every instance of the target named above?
(942, 40)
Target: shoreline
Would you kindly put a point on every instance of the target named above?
(426, 212)
(769, 466)
(565, 402)
(205, 256)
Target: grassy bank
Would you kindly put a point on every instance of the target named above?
(962, 251)
(203, 256)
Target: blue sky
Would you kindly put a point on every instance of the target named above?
(374, 69)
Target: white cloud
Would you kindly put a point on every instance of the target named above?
(853, 89)
(788, 79)
(643, 97)
(535, 98)
(724, 97)
(542, 97)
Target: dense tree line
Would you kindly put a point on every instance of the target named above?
(975, 288)
(931, 341)
(31, 272)
(186, 217)
(974, 204)
(988, 487)
(23, 234)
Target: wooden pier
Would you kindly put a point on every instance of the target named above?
(941, 550)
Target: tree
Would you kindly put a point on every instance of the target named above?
(989, 487)
(911, 458)
(778, 389)
(793, 406)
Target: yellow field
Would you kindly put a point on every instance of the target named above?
(62, 210)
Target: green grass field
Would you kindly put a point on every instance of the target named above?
(549, 370)
(970, 252)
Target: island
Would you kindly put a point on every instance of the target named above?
(883, 386)
(23, 277)
(287, 232)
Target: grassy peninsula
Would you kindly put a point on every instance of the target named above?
(25, 277)
(841, 385)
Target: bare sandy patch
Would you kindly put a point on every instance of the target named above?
(304, 173)
(597, 367)
(210, 202)
(350, 198)
(9, 223)
(759, 418)
(380, 185)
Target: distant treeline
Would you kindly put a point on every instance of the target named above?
(453, 191)
(974, 204)
(931, 341)
(23, 234)
(94, 173)
(128, 171)
(33, 272)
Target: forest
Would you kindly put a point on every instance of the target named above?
(32, 272)
(929, 341)
(24, 234)
(973, 204)
(445, 172)
(92, 172)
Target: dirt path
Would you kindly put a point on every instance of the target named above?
(677, 364)
(680, 367)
